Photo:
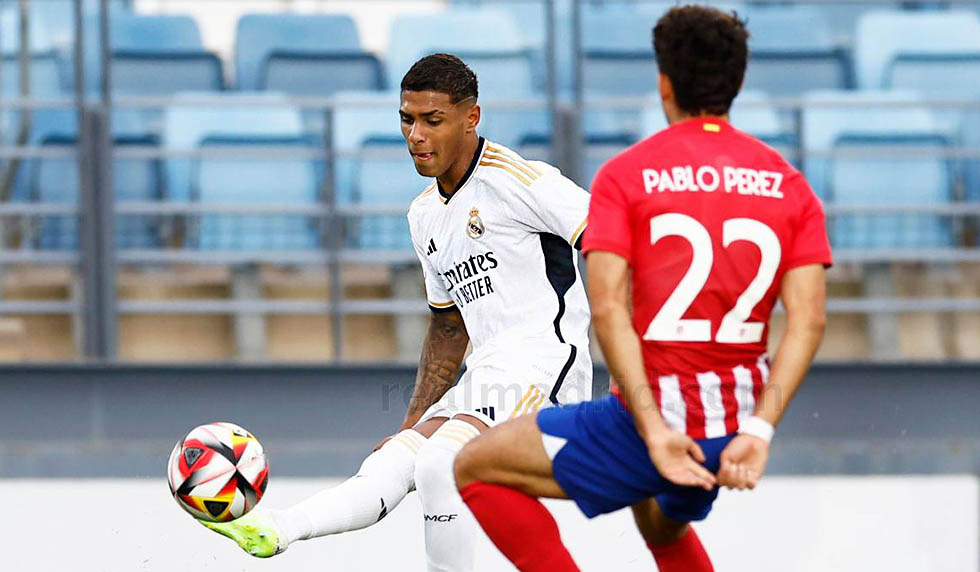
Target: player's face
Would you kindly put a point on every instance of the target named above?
(434, 128)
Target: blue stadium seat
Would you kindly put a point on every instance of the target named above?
(55, 180)
(532, 17)
(186, 125)
(157, 56)
(158, 73)
(827, 116)
(923, 178)
(792, 51)
(260, 35)
(253, 181)
(465, 31)
(47, 82)
(384, 175)
(751, 112)
(489, 41)
(360, 117)
(299, 73)
(886, 35)
(40, 40)
(157, 33)
(830, 124)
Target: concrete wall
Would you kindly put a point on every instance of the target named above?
(122, 420)
(788, 524)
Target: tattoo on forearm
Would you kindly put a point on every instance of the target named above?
(442, 355)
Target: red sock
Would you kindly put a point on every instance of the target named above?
(683, 555)
(520, 526)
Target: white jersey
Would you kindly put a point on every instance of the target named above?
(501, 249)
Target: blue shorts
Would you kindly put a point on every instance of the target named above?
(604, 464)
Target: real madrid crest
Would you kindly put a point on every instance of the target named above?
(474, 226)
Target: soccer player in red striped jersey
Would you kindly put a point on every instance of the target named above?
(707, 227)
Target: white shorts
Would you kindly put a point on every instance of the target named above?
(505, 386)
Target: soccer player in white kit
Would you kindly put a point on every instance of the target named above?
(496, 236)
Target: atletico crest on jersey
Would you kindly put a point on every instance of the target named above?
(474, 226)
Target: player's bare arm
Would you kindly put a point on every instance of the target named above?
(442, 355)
(803, 294)
(675, 455)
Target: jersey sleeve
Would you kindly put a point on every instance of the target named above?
(435, 289)
(558, 206)
(809, 243)
(609, 221)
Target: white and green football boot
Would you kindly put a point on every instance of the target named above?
(256, 533)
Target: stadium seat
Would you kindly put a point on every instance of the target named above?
(533, 29)
(489, 41)
(792, 51)
(186, 125)
(157, 56)
(55, 180)
(829, 124)
(464, 31)
(156, 33)
(883, 36)
(299, 73)
(359, 117)
(751, 112)
(252, 181)
(922, 178)
(384, 175)
(40, 40)
(828, 115)
(259, 36)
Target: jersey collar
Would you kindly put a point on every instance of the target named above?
(466, 178)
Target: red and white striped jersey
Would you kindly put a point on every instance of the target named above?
(710, 220)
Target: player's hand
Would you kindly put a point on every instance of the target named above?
(678, 459)
(742, 462)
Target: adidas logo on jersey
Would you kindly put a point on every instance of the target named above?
(432, 247)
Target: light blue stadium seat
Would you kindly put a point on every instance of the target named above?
(751, 112)
(255, 182)
(187, 125)
(157, 56)
(532, 19)
(920, 179)
(384, 175)
(321, 74)
(883, 36)
(47, 82)
(829, 123)
(40, 40)
(260, 35)
(489, 41)
(792, 51)
(55, 180)
(828, 115)
(462, 30)
(359, 117)
(135, 73)
(156, 33)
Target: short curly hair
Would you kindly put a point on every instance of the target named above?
(442, 73)
(704, 52)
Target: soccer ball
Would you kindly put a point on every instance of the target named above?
(218, 472)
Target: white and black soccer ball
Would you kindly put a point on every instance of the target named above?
(218, 472)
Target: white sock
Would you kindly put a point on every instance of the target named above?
(383, 480)
(450, 528)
